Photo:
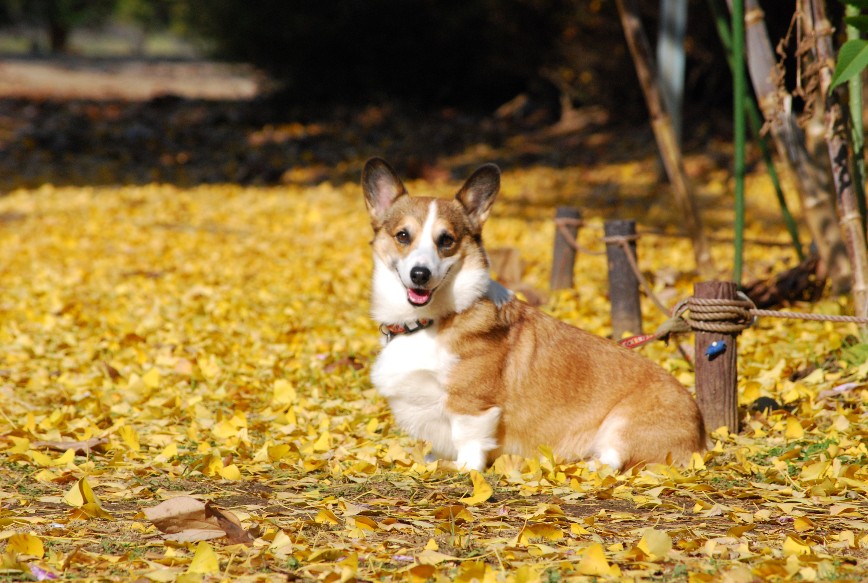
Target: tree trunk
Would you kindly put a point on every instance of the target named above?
(811, 178)
(671, 59)
(665, 134)
(818, 29)
(58, 37)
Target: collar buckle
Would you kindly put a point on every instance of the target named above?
(392, 330)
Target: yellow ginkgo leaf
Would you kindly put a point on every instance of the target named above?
(278, 452)
(326, 516)
(169, 451)
(75, 496)
(475, 571)
(482, 491)
(655, 543)
(539, 531)
(224, 430)
(46, 461)
(594, 561)
(130, 438)
(323, 443)
(349, 567)
(205, 560)
(230, 472)
(81, 496)
(26, 544)
(283, 394)
(19, 445)
(796, 546)
(794, 429)
(151, 379)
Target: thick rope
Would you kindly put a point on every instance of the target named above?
(562, 223)
(705, 314)
(716, 315)
(733, 316)
(624, 241)
(815, 317)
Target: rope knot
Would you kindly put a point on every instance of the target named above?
(716, 314)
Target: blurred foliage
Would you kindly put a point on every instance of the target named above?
(437, 50)
(59, 17)
(447, 52)
(153, 14)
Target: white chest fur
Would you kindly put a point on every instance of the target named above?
(411, 373)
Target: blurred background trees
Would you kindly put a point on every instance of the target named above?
(439, 52)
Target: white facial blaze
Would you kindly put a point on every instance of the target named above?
(424, 254)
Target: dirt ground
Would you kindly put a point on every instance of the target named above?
(126, 79)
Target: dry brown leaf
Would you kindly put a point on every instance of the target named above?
(79, 447)
(188, 519)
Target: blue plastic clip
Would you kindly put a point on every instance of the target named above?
(715, 349)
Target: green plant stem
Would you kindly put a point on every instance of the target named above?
(754, 120)
(857, 134)
(739, 93)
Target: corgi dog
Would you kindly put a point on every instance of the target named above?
(477, 373)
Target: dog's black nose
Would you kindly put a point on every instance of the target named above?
(420, 275)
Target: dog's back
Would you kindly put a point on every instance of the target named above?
(557, 385)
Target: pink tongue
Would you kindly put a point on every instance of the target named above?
(418, 296)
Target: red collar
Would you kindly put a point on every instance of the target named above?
(392, 330)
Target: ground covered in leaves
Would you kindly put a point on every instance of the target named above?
(184, 396)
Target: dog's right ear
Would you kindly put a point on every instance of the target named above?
(382, 187)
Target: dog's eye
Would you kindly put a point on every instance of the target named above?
(402, 237)
(445, 241)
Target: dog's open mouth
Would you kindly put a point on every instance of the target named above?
(419, 297)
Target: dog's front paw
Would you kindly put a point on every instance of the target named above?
(471, 461)
(498, 294)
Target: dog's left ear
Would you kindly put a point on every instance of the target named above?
(478, 193)
(381, 186)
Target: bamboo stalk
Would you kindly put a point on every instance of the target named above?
(857, 132)
(850, 219)
(753, 118)
(817, 204)
(667, 142)
(739, 92)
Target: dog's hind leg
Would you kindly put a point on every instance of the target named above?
(608, 447)
(474, 436)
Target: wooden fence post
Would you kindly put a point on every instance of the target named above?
(567, 221)
(623, 283)
(716, 366)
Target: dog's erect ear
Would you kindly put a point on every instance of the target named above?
(381, 186)
(478, 193)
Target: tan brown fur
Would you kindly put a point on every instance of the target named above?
(556, 384)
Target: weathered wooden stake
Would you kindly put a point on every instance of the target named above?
(564, 255)
(716, 367)
(623, 283)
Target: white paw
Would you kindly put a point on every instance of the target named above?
(471, 459)
(474, 436)
(610, 457)
(498, 294)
